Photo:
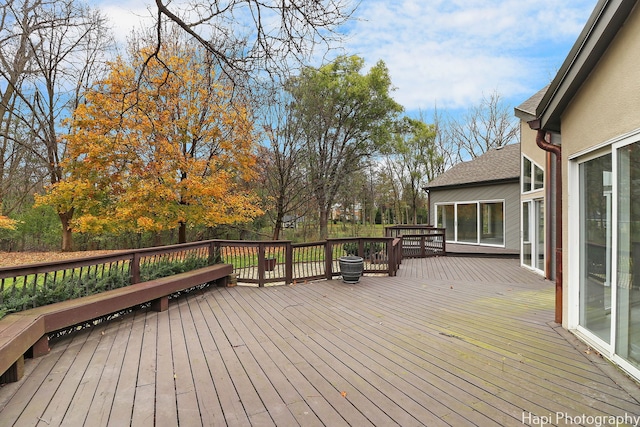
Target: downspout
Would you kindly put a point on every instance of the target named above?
(548, 207)
(556, 150)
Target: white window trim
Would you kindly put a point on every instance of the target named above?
(532, 172)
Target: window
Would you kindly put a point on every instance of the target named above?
(492, 218)
(467, 223)
(533, 234)
(532, 176)
(446, 220)
(472, 222)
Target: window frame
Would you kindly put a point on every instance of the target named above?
(531, 175)
(478, 204)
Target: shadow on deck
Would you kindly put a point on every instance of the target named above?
(449, 341)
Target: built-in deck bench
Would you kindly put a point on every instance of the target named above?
(26, 333)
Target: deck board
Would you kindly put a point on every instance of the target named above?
(449, 341)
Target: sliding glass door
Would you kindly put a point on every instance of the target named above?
(628, 254)
(595, 246)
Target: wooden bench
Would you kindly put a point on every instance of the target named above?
(26, 333)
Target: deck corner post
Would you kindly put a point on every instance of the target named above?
(261, 269)
(135, 269)
(328, 259)
(288, 262)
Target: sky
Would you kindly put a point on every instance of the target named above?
(446, 54)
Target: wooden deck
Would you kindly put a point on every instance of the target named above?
(450, 341)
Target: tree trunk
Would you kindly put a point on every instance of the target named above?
(324, 222)
(67, 236)
(182, 233)
(277, 229)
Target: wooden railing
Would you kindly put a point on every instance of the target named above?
(258, 262)
(419, 241)
(263, 262)
(29, 286)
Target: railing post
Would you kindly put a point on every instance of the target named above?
(288, 263)
(328, 259)
(423, 246)
(391, 258)
(261, 262)
(135, 268)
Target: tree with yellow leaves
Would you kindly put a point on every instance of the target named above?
(168, 148)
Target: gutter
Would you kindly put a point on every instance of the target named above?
(541, 141)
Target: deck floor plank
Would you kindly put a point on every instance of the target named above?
(28, 391)
(212, 337)
(102, 404)
(85, 391)
(289, 360)
(166, 410)
(449, 341)
(145, 395)
(124, 398)
(186, 400)
(276, 389)
(50, 387)
(206, 393)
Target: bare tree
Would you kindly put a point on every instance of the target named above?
(282, 166)
(416, 160)
(14, 59)
(488, 125)
(60, 45)
(248, 35)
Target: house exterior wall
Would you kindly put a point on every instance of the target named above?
(529, 147)
(509, 192)
(605, 108)
(603, 112)
(607, 104)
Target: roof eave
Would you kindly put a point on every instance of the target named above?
(473, 184)
(602, 26)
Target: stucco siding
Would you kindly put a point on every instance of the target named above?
(605, 108)
(529, 147)
(510, 193)
(607, 104)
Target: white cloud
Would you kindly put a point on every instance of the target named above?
(453, 52)
(125, 16)
(445, 52)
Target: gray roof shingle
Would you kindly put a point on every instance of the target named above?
(527, 110)
(498, 164)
